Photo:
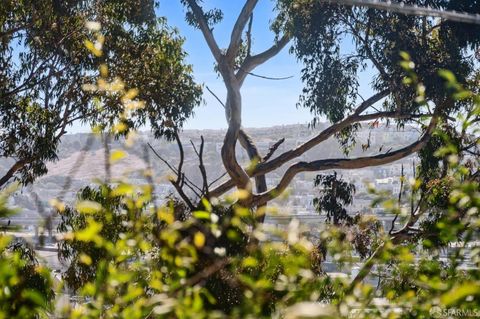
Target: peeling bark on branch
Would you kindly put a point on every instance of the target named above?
(255, 157)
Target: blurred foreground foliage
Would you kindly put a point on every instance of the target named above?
(128, 258)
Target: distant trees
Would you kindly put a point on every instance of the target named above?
(45, 65)
(334, 195)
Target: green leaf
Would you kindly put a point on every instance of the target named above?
(460, 292)
(90, 233)
(200, 214)
(448, 76)
(88, 207)
(199, 239)
(117, 155)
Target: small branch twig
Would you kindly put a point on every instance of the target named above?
(273, 148)
(402, 177)
(201, 166)
(187, 181)
(217, 179)
(203, 171)
(267, 77)
(215, 96)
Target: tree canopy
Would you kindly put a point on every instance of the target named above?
(46, 67)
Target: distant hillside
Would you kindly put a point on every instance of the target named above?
(79, 164)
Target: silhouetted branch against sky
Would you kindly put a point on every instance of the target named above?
(412, 10)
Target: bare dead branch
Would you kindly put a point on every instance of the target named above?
(201, 166)
(187, 181)
(215, 96)
(180, 181)
(182, 194)
(272, 149)
(182, 155)
(173, 169)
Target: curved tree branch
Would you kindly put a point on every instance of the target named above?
(340, 163)
(236, 37)
(13, 169)
(416, 10)
(207, 33)
(251, 62)
(269, 166)
(327, 133)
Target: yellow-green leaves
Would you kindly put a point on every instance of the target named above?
(123, 189)
(249, 262)
(88, 207)
(94, 48)
(201, 215)
(85, 259)
(166, 215)
(91, 232)
(58, 205)
(117, 155)
(199, 239)
(460, 292)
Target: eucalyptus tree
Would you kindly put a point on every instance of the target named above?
(315, 32)
(45, 64)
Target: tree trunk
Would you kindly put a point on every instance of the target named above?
(260, 180)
